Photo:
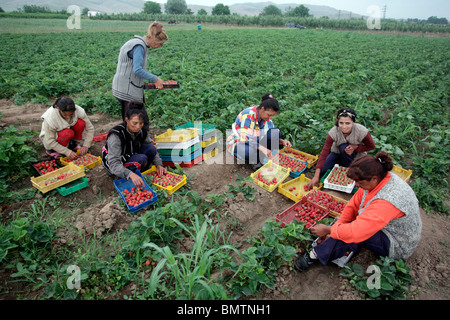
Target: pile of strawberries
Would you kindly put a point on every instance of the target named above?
(296, 155)
(326, 200)
(62, 176)
(288, 162)
(167, 180)
(261, 178)
(85, 160)
(339, 176)
(135, 196)
(309, 213)
(46, 166)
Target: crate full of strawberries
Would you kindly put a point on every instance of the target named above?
(303, 211)
(169, 182)
(338, 180)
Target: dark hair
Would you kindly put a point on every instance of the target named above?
(366, 167)
(345, 112)
(135, 108)
(64, 104)
(269, 102)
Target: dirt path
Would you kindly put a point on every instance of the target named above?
(429, 264)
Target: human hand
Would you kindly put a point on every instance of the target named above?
(321, 230)
(138, 182)
(159, 84)
(266, 151)
(83, 150)
(350, 149)
(314, 182)
(286, 143)
(73, 156)
(161, 170)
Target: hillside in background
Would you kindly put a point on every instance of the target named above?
(122, 6)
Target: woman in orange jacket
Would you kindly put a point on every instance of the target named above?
(382, 216)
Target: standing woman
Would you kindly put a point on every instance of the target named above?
(253, 135)
(131, 71)
(383, 216)
(65, 129)
(346, 141)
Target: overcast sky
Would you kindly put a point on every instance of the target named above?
(396, 9)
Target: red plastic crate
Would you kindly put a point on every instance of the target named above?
(184, 164)
(169, 84)
(100, 137)
(288, 215)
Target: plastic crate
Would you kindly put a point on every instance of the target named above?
(179, 152)
(322, 180)
(37, 172)
(327, 202)
(122, 184)
(178, 136)
(66, 160)
(168, 189)
(73, 186)
(178, 145)
(299, 184)
(169, 84)
(100, 137)
(206, 156)
(209, 142)
(278, 158)
(206, 131)
(343, 188)
(269, 171)
(300, 155)
(402, 173)
(288, 215)
(185, 158)
(40, 182)
(183, 164)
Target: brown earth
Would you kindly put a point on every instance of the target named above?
(429, 264)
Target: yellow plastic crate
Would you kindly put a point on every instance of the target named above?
(299, 184)
(168, 189)
(210, 154)
(66, 160)
(402, 173)
(300, 155)
(182, 135)
(270, 171)
(209, 142)
(42, 183)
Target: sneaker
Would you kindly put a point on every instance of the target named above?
(256, 166)
(304, 262)
(55, 155)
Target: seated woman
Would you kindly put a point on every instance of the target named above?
(129, 148)
(382, 216)
(345, 142)
(65, 129)
(253, 134)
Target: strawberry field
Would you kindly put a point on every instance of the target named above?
(398, 85)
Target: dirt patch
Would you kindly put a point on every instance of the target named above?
(98, 210)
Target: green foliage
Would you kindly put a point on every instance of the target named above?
(151, 7)
(176, 7)
(220, 9)
(390, 279)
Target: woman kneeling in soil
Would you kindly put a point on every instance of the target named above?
(382, 216)
(345, 142)
(65, 129)
(129, 148)
(253, 135)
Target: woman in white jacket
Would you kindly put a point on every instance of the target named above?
(66, 128)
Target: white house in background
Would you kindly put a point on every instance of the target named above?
(91, 13)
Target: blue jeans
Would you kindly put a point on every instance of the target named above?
(248, 152)
(141, 161)
(342, 159)
(332, 249)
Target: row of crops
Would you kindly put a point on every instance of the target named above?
(399, 85)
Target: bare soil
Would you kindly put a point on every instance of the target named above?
(429, 264)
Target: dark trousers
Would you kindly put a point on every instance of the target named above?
(342, 159)
(248, 152)
(141, 161)
(332, 249)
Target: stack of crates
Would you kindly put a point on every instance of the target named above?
(207, 135)
(179, 146)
